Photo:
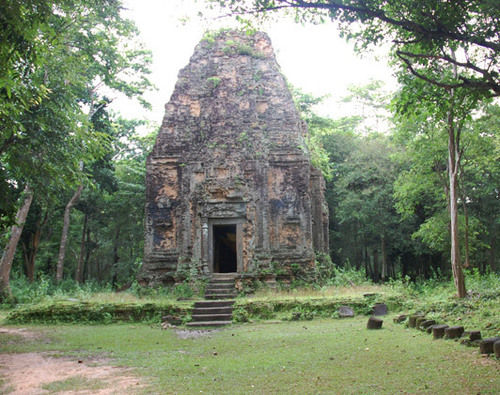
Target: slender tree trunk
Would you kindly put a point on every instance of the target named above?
(376, 273)
(86, 265)
(10, 248)
(64, 236)
(492, 255)
(453, 168)
(99, 269)
(81, 258)
(368, 266)
(453, 173)
(116, 259)
(466, 233)
(384, 259)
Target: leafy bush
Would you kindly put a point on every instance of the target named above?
(46, 288)
(348, 276)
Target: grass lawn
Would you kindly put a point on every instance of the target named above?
(306, 357)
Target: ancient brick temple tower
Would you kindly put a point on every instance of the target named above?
(229, 186)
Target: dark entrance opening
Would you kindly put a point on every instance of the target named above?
(225, 255)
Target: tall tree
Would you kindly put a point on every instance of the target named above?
(10, 250)
(75, 48)
(421, 31)
(452, 47)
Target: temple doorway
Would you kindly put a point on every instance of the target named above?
(224, 248)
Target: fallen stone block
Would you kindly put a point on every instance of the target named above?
(345, 312)
(471, 335)
(412, 321)
(430, 328)
(374, 323)
(425, 324)
(419, 321)
(454, 332)
(486, 345)
(496, 348)
(438, 331)
(400, 318)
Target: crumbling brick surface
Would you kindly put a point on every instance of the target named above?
(230, 151)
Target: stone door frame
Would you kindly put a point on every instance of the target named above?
(209, 234)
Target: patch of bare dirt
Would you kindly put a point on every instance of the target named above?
(194, 334)
(27, 373)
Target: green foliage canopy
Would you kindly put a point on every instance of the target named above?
(420, 31)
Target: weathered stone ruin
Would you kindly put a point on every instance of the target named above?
(230, 187)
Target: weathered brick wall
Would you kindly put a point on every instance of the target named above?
(229, 152)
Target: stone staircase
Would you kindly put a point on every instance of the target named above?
(221, 286)
(217, 309)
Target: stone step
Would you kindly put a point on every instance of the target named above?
(214, 303)
(209, 323)
(219, 296)
(228, 285)
(213, 310)
(220, 290)
(211, 317)
(231, 276)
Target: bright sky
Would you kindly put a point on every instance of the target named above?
(312, 58)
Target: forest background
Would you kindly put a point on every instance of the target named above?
(72, 170)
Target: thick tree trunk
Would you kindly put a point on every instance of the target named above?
(10, 249)
(64, 236)
(81, 258)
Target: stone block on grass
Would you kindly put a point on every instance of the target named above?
(471, 335)
(430, 328)
(486, 345)
(345, 312)
(425, 324)
(419, 321)
(412, 321)
(438, 331)
(400, 318)
(454, 332)
(496, 348)
(374, 323)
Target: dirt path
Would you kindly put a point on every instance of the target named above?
(27, 373)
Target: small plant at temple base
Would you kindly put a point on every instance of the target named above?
(183, 272)
(324, 267)
(278, 269)
(183, 291)
(240, 315)
(257, 76)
